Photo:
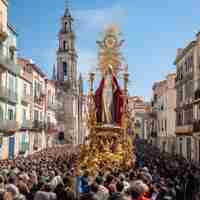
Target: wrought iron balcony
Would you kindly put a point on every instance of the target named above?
(3, 34)
(27, 124)
(8, 94)
(38, 124)
(9, 65)
(7, 125)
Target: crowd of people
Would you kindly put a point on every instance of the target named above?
(51, 175)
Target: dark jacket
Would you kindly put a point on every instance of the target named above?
(88, 196)
(116, 196)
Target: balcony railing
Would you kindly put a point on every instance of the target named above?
(8, 94)
(185, 129)
(6, 125)
(3, 33)
(196, 126)
(51, 126)
(27, 124)
(38, 124)
(26, 98)
(9, 64)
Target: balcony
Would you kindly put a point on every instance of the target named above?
(51, 127)
(38, 125)
(27, 124)
(196, 126)
(8, 125)
(184, 129)
(27, 99)
(9, 65)
(3, 34)
(52, 106)
(8, 95)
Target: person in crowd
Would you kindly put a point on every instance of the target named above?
(91, 194)
(103, 192)
(50, 174)
(118, 194)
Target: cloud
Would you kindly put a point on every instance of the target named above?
(98, 19)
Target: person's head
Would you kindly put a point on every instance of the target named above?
(68, 181)
(134, 194)
(109, 179)
(119, 186)
(23, 188)
(86, 173)
(99, 180)
(12, 180)
(94, 187)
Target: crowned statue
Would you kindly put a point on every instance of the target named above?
(108, 96)
(109, 100)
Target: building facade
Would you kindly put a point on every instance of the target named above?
(163, 114)
(50, 113)
(187, 128)
(139, 110)
(9, 72)
(69, 90)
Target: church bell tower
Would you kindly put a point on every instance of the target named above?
(66, 53)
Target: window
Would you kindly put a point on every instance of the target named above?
(37, 88)
(65, 69)
(48, 119)
(180, 94)
(11, 84)
(180, 147)
(25, 89)
(66, 26)
(36, 115)
(179, 118)
(24, 115)
(1, 113)
(10, 114)
(49, 96)
(1, 48)
(41, 116)
(12, 54)
(64, 45)
(189, 148)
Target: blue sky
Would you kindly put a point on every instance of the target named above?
(152, 30)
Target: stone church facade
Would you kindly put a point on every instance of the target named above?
(69, 88)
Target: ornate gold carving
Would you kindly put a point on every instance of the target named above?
(107, 146)
(109, 51)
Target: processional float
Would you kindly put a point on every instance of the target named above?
(109, 143)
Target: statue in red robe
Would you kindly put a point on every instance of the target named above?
(109, 100)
